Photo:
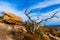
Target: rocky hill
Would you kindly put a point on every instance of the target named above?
(12, 27)
(10, 22)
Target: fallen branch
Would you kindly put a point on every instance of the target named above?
(54, 37)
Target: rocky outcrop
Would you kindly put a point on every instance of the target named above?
(11, 18)
(10, 26)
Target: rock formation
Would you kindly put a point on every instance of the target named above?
(12, 27)
(11, 18)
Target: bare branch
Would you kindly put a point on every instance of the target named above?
(56, 17)
(50, 17)
(27, 14)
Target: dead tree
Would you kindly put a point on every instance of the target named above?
(34, 22)
(35, 25)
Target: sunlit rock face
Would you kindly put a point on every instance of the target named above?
(11, 18)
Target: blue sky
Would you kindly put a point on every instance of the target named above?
(22, 4)
(41, 8)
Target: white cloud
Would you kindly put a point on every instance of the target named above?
(8, 7)
(45, 4)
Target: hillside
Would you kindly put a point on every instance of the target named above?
(13, 28)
